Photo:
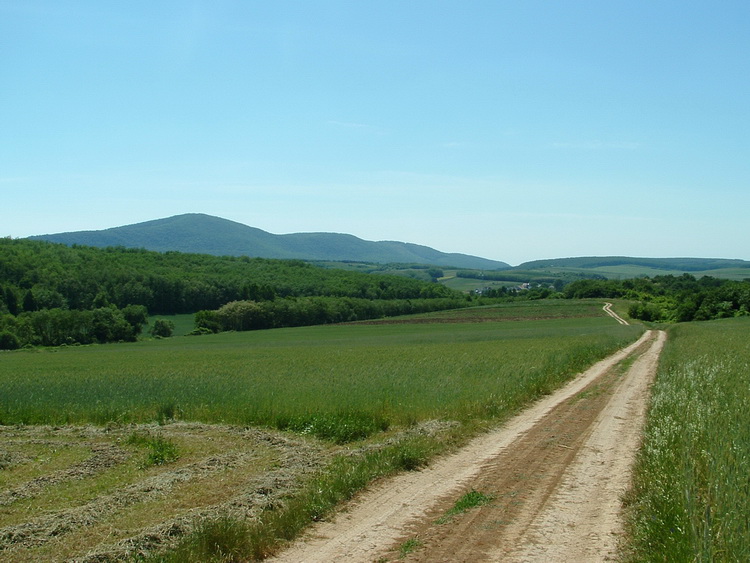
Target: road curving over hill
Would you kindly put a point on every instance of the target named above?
(608, 309)
(556, 474)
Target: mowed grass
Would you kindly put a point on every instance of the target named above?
(68, 490)
(396, 373)
(691, 498)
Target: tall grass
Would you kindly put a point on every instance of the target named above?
(691, 497)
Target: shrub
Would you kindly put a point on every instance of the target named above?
(9, 341)
(645, 312)
(162, 328)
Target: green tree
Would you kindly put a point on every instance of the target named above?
(435, 274)
(137, 316)
(29, 303)
(109, 325)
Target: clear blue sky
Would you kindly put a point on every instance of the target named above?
(513, 130)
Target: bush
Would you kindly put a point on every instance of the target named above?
(645, 312)
(160, 450)
(9, 341)
(162, 328)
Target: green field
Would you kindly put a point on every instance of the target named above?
(396, 373)
(170, 441)
(691, 500)
(470, 284)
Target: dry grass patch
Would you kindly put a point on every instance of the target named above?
(119, 507)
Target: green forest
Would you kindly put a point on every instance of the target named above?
(52, 294)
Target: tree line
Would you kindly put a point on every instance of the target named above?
(671, 298)
(51, 294)
(307, 311)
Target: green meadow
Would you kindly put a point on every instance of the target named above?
(466, 365)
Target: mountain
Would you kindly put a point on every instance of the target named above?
(204, 234)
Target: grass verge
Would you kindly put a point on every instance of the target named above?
(691, 495)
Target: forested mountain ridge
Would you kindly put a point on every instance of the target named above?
(205, 234)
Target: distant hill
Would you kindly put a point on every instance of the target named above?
(624, 267)
(204, 234)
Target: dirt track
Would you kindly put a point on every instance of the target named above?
(556, 474)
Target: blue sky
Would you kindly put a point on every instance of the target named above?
(506, 129)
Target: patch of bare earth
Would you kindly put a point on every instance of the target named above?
(556, 473)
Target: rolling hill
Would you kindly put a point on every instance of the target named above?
(205, 234)
(629, 267)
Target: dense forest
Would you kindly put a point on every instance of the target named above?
(51, 294)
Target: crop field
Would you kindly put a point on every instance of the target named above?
(691, 500)
(444, 365)
(119, 450)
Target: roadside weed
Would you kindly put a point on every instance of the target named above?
(409, 546)
(470, 500)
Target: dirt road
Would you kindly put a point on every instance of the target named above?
(556, 473)
(608, 309)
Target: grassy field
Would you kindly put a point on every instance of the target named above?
(691, 500)
(401, 373)
(248, 437)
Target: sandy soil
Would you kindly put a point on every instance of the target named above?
(556, 473)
